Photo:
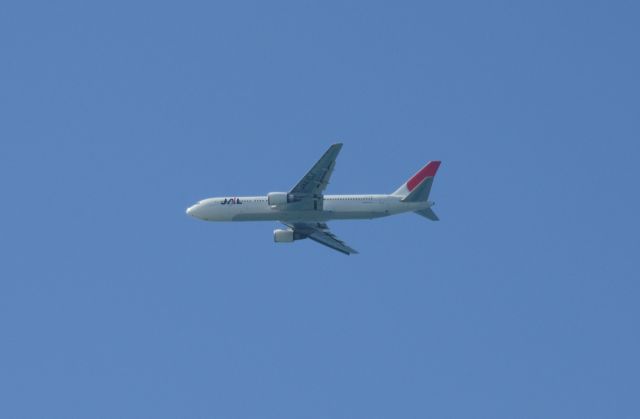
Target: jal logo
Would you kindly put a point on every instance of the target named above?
(231, 201)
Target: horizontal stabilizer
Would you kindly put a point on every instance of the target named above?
(428, 213)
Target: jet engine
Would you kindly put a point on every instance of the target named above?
(283, 236)
(278, 199)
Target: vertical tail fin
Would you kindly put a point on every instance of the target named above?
(418, 187)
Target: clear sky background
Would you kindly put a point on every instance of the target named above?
(523, 302)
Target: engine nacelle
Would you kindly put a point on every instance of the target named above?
(278, 199)
(283, 236)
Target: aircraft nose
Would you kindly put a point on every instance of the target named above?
(198, 211)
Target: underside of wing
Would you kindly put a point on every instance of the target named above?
(317, 179)
(319, 232)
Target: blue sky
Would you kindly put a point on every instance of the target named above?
(522, 302)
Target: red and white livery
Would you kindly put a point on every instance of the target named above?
(305, 209)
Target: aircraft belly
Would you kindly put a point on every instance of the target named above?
(355, 211)
(357, 215)
(302, 216)
(258, 216)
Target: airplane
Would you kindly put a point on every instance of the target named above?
(304, 210)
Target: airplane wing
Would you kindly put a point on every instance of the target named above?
(317, 179)
(319, 232)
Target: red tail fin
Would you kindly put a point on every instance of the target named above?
(427, 172)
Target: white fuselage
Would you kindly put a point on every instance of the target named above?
(330, 207)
